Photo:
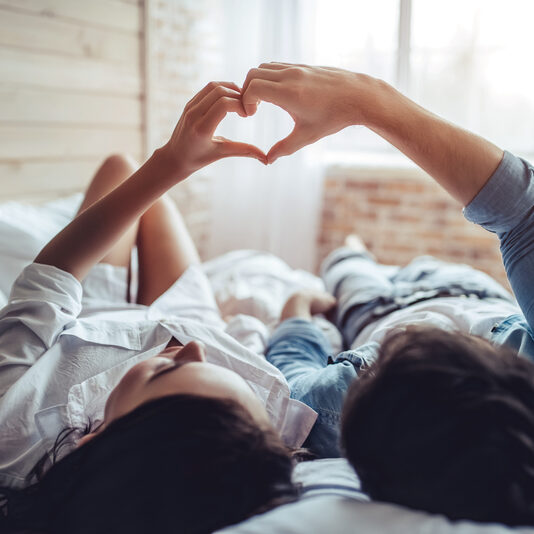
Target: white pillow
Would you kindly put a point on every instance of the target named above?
(333, 504)
(342, 515)
(24, 231)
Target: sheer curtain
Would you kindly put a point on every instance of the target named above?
(470, 69)
(274, 208)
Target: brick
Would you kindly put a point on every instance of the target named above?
(362, 186)
(384, 201)
(405, 187)
(401, 219)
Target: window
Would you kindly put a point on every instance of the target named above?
(467, 60)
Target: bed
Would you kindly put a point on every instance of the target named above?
(251, 287)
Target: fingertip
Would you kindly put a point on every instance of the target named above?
(250, 109)
(260, 157)
(255, 156)
(271, 159)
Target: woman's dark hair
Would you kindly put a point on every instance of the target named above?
(444, 422)
(180, 464)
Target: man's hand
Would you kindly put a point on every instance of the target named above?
(321, 100)
(324, 100)
(192, 145)
(306, 303)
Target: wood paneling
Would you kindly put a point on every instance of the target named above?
(44, 178)
(81, 79)
(30, 105)
(71, 91)
(44, 34)
(57, 142)
(24, 68)
(116, 14)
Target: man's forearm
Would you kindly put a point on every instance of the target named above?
(323, 101)
(460, 161)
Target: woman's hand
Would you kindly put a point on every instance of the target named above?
(92, 234)
(192, 145)
(321, 100)
(306, 303)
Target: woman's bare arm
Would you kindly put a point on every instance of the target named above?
(88, 238)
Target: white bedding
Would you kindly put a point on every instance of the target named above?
(250, 287)
(332, 504)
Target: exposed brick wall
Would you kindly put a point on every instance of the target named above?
(182, 47)
(400, 217)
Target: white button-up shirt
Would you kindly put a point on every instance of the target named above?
(59, 360)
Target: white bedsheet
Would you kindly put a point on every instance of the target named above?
(333, 504)
(25, 229)
(250, 286)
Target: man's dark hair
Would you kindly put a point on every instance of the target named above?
(180, 464)
(444, 422)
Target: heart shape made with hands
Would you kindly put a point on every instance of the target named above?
(264, 129)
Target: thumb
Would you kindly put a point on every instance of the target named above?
(227, 148)
(286, 146)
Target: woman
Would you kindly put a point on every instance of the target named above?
(171, 442)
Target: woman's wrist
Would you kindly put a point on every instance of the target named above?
(171, 163)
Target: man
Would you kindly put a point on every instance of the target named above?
(444, 420)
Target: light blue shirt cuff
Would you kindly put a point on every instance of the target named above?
(506, 198)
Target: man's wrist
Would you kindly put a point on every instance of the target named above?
(371, 101)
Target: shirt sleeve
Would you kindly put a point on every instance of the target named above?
(43, 300)
(505, 206)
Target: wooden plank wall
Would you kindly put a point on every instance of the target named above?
(71, 91)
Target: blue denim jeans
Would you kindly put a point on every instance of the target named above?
(366, 290)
